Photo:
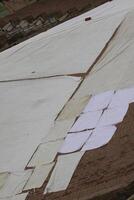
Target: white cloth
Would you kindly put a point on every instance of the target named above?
(45, 153)
(99, 101)
(16, 197)
(99, 137)
(114, 69)
(63, 172)
(113, 116)
(15, 183)
(58, 54)
(3, 178)
(74, 141)
(38, 176)
(58, 131)
(86, 121)
(124, 96)
(28, 113)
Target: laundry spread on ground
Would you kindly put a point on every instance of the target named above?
(75, 141)
(99, 102)
(63, 172)
(15, 183)
(38, 176)
(45, 153)
(86, 121)
(121, 97)
(101, 123)
(113, 115)
(99, 137)
(64, 92)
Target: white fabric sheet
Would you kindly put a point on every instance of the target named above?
(63, 172)
(124, 96)
(45, 153)
(58, 131)
(99, 101)
(29, 109)
(17, 197)
(114, 70)
(3, 178)
(86, 121)
(71, 112)
(74, 141)
(20, 197)
(45, 56)
(15, 183)
(99, 137)
(113, 116)
(38, 176)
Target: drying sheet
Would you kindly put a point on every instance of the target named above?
(27, 116)
(38, 176)
(74, 141)
(17, 197)
(45, 56)
(99, 101)
(63, 172)
(114, 69)
(99, 137)
(124, 96)
(58, 131)
(86, 121)
(45, 153)
(113, 116)
(3, 178)
(15, 183)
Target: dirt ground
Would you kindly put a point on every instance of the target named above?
(106, 173)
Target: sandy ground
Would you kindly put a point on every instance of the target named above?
(106, 173)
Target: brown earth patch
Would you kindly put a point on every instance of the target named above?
(106, 173)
